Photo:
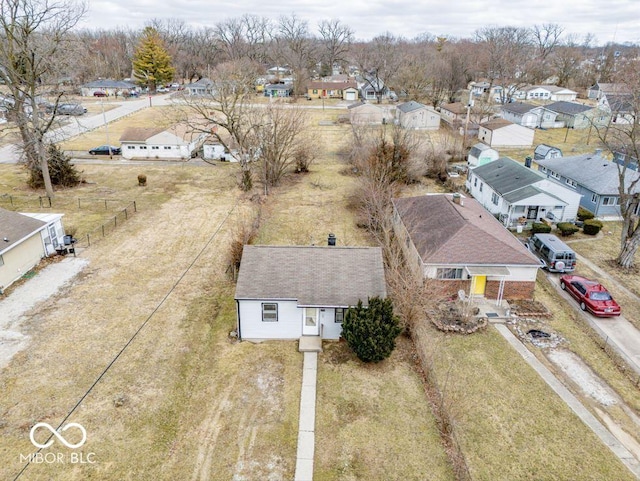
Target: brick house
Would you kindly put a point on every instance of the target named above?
(458, 243)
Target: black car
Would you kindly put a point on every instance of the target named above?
(105, 150)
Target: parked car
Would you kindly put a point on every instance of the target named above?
(99, 93)
(591, 295)
(554, 254)
(105, 150)
(70, 109)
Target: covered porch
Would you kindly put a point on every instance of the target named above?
(529, 205)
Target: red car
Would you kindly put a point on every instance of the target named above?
(591, 295)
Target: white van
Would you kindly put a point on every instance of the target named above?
(555, 254)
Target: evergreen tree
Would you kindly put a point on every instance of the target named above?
(62, 172)
(151, 62)
(371, 331)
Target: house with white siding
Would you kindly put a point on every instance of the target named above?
(286, 292)
(527, 115)
(414, 115)
(502, 133)
(148, 143)
(518, 195)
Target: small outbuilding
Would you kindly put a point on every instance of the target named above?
(502, 133)
(544, 151)
(414, 115)
(481, 154)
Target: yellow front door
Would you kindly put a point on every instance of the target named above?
(479, 283)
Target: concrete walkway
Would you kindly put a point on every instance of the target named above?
(307, 425)
(576, 406)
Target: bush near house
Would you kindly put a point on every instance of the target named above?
(371, 331)
(592, 226)
(567, 228)
(584, 214)
(540, 228)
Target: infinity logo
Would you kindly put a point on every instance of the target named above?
(57, 435)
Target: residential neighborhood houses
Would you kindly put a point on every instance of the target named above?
(301, 275)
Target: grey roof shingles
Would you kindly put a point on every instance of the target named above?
(568, 108)
(591, 171)
(16, 227)
(410, 106)
(506, 175)
(445, 233)
(518, 107)
(109, 84)
(314, 276)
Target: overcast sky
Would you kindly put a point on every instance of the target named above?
(608, 20)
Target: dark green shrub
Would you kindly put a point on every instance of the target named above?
(371, 331)
(584, 214)
(540, 228)
(592, 226)
(567, 228)
(61, 171)
(142, 179)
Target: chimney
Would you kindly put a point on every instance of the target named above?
(331, 240)
(456, 198)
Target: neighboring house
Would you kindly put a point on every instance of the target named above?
(528, 115)
(544, 151)
(24, 240)
(333, 90)
(285, 292)
(278, 90)
(217, 151)
(533, 92)
(366, 113)
(560, 94)
(517, 195)
(578, 116)
(109, 87)
(455, 114)
(482, 89)
(615, 98)
(457, 243)
(626, 159)
(592, 176)
(142, 143)
(601, 89)
(204, 86)
(502, 133)
(481, 154)
(414, 115)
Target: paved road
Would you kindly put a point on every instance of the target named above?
(79, 125)
(618, 332)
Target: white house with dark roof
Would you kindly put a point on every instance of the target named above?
(286, 292)
(203, 86)
(527, 115)
(578, 116)
(24, 240)
(414, 115)
(518, 195)
(592, 176)
(456, 242)
(107, 86)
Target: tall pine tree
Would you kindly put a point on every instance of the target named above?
(151, 62)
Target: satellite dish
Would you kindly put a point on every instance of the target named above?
(461, 295)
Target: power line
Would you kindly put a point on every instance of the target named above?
(135, 334)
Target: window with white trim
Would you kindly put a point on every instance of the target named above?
(340, 314)
(155, 147)
(131, 147)
(555, 175)
(611, 200)
(494, 198)
(572, 183)
(269, 312)
(167, 147)
(594, 198)
(449, 273)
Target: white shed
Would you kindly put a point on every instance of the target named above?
(481, 154)
(502, 133)
(286, 292)
(159, 144)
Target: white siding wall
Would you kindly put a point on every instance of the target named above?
(289, 325)
(20, 259)
(567, 194)
(330, 329)
(512, 135)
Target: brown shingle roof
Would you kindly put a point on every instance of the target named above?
(314, 276)
(331, 85)
(446, 233)
(496, 124)
(139, 134)
(16, 227)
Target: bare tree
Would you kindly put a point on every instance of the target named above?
(295, 47)
(379, 61)
(506, 54)
(546, 39)
(245, 37)
(623, 140)
(336, 38)
(35, 34)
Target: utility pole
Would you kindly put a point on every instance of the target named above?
(469, 104)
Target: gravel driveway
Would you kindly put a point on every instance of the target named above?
(23, 299)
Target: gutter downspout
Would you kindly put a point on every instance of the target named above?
(238, 312)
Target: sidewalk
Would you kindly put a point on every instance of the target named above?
(307, 425)
(576, 406)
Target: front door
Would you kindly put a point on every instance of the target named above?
(310, 324)
(479, 283)
(532, 212)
